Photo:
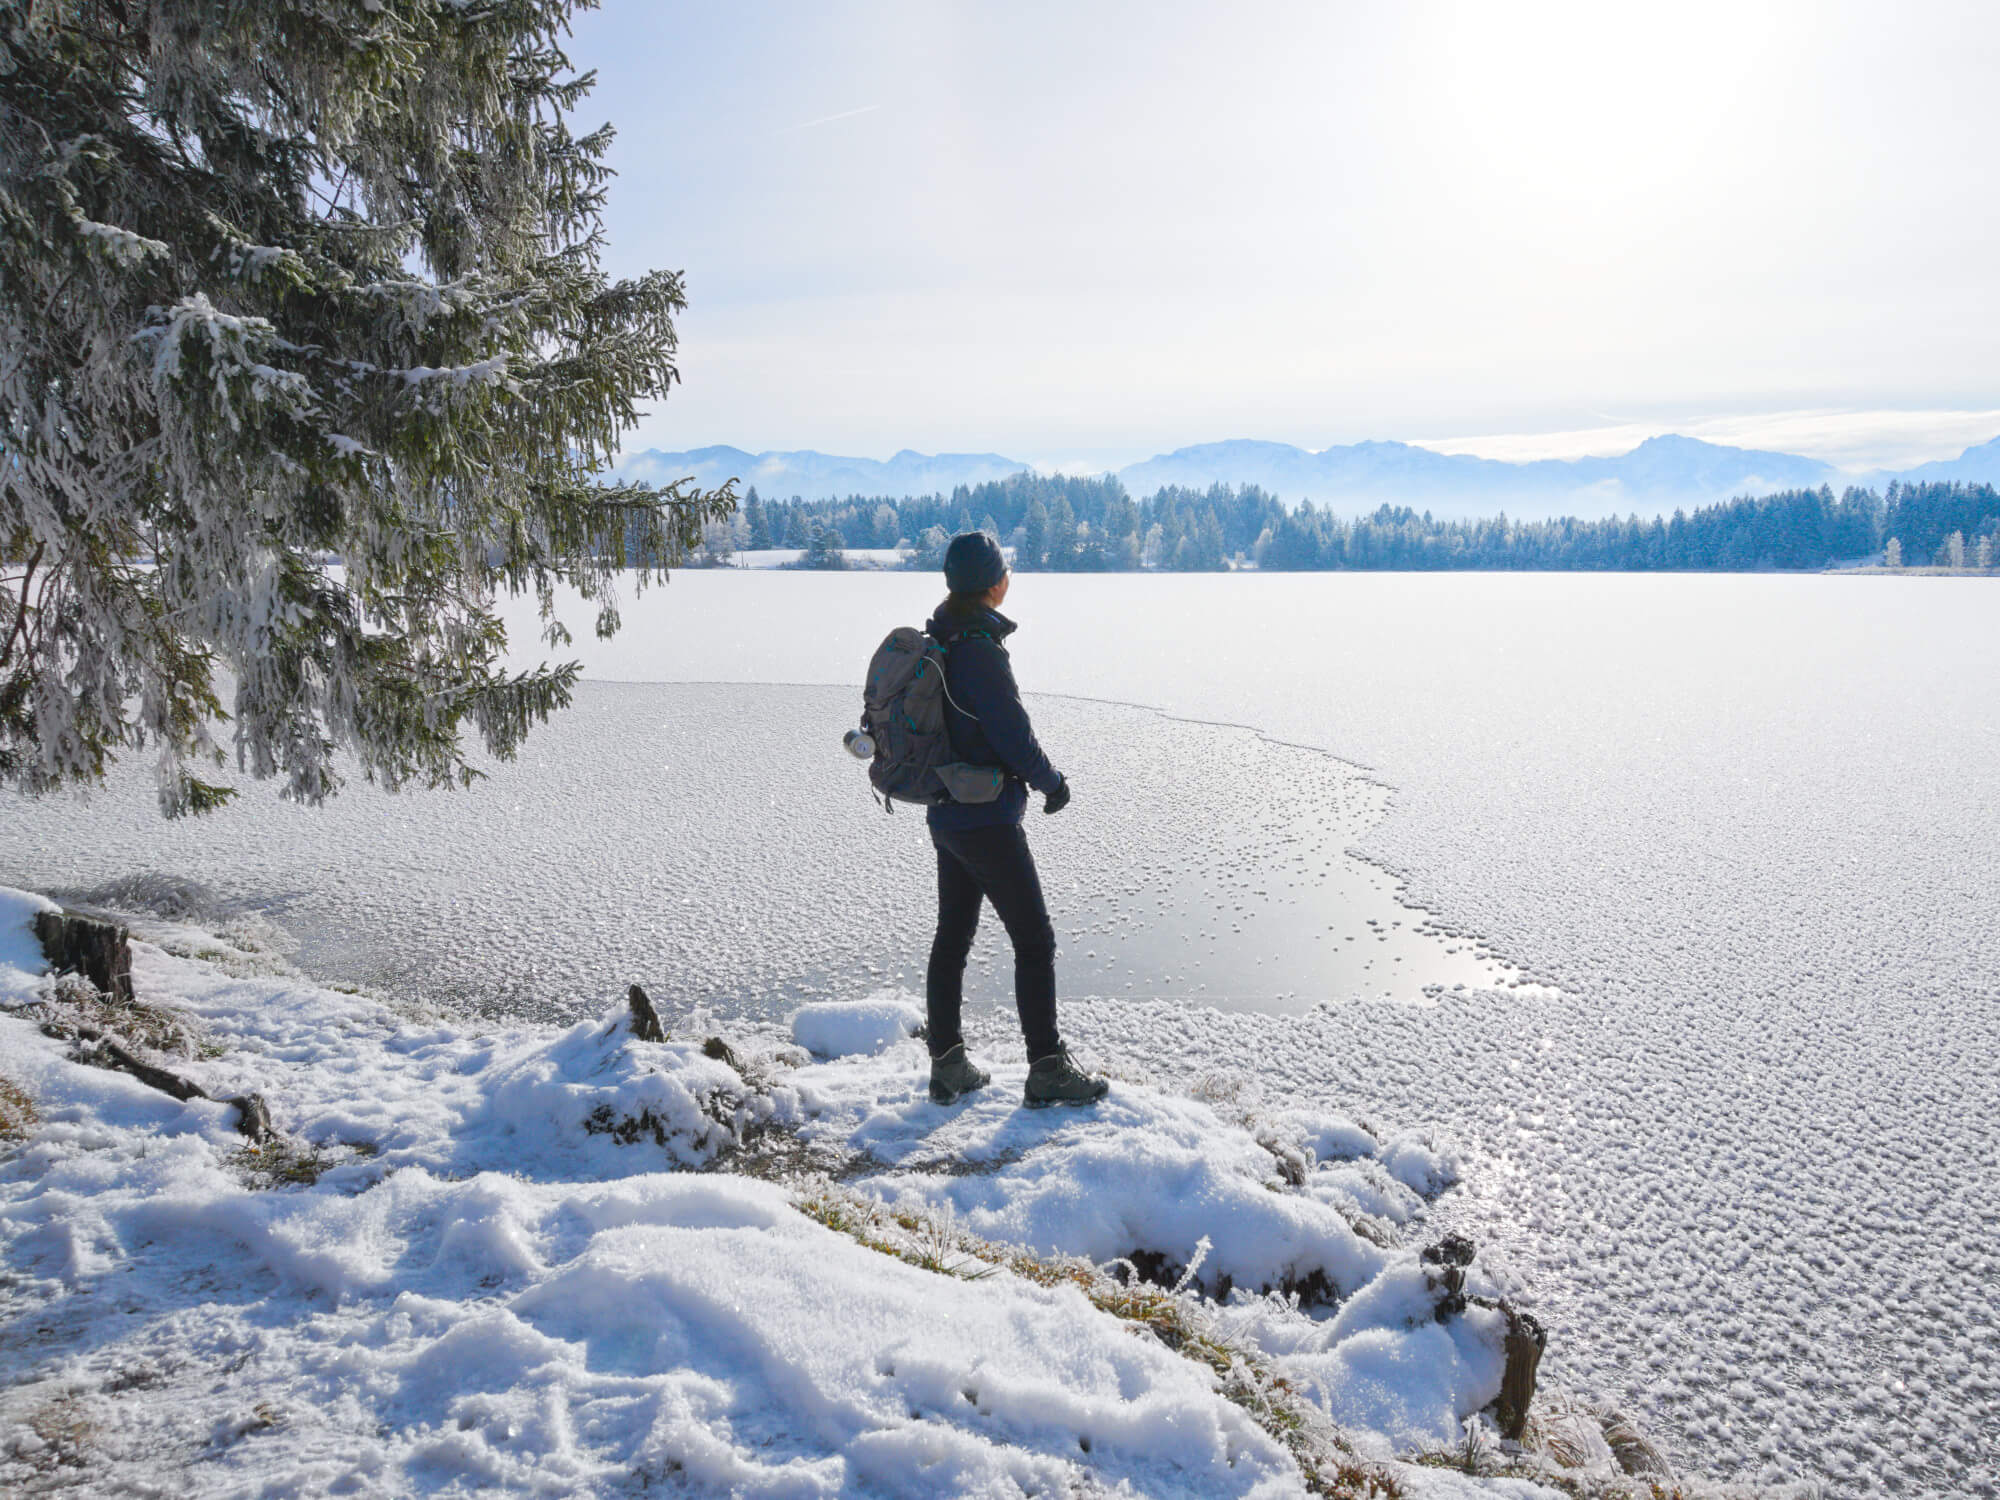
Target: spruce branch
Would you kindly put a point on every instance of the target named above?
(285, 287)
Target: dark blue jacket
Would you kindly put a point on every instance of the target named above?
(985, 719)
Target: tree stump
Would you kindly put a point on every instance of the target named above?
(1525, 1341)
(100, 951)
(645, 1020)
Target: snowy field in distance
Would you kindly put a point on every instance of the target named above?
(785, 557)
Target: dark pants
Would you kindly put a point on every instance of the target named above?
(993, 863)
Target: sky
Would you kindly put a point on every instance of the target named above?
(1080, 234)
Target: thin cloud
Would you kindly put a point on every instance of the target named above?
(845, 114)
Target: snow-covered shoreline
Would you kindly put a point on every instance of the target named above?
(505, 1257)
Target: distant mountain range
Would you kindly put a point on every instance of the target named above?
(821, 476)
(1655, 477)
(1980, 465)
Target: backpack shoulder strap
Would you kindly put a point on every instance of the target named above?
(944, 644)
(971, 634)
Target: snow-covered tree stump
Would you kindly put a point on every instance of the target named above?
(99, 950)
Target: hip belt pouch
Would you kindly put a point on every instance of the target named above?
(966, 783)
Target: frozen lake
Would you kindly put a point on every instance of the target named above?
(715, 843)
(1742, 834)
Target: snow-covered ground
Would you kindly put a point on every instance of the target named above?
(529, 1259)
(1739, 1152)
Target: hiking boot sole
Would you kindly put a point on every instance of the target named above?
(942, 1095)
(1033, 1103)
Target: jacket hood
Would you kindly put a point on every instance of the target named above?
(947, 623)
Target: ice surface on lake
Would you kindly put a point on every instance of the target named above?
(717, 845)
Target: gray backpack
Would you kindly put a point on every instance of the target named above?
(902, 710)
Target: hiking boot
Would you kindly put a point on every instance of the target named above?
(954, 1074)
(1056, 1079)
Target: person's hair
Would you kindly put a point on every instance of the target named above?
(964, 601)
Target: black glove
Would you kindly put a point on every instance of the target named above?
(1056, 801)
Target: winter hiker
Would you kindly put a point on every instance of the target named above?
(982, 851)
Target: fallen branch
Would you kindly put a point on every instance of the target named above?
(253, 1116)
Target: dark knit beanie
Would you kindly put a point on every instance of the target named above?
(973, 563)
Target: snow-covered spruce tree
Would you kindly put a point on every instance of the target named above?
(825, 549)
(285, 284)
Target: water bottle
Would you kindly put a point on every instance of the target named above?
(860, 744)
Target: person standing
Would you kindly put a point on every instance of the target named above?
(982, 849)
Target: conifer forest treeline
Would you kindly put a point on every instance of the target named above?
(1060, 524)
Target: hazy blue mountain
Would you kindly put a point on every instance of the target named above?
(821, 476)
(1350, 479)
(1976, 465)
(1659, 474)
